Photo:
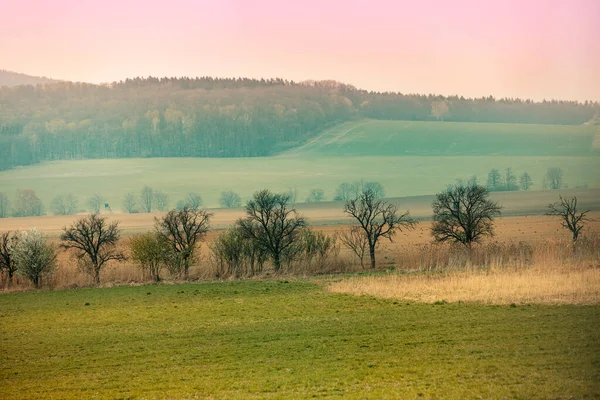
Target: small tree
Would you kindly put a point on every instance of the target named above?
(525, 181)
(150, 252)
(95, 202)
(34, 257)
(4, 205)
(463, 214)
(230, 199)
(377, 218)
(376, 188)
(271, 224)
(192, 200)
(161, 200)
(130, 203)
(554, 178)
(566, 209)
(182, 230)
(315, 196)
(94, 241)
(64, 204)
(494, 181)
(146, 199)
(8, 244)
(27, 203)
(356, 240)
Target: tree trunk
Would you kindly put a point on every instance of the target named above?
(97, 276)
(277, 261)
(372, 254)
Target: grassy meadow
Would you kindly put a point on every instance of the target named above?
(280, 339)
(372, 151)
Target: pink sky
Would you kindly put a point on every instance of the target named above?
(526, 48)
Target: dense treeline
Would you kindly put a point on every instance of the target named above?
(207, 117)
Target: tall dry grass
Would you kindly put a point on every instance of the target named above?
(546, 272)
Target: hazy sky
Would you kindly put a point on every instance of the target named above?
(517, 48)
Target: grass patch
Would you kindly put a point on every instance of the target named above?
(277, 339)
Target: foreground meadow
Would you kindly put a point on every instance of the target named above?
(280, 339)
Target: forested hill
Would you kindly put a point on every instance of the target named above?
(8, 78)
(206, 117)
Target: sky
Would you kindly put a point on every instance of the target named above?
(538, 49)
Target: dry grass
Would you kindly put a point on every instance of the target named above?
(549, 272)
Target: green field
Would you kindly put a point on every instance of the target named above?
(374, 151)
(288, 340)
(418, 138)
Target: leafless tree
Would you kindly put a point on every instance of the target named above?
(494, 181)
(146, 199)
(439, 109)
(64, 204)
(94, 241)
(271, 224)
(346, 191)
(230, 199)
(161, 200)
(525, 181)
(554, 178)
(95, 202)
(4, 205)
(130, 203)
(182, 230)
(8, 243)
(356, 240)
(510, 180)
(464, 214)
(315, 196)
(377, 218)
(27, 204)
(566, 209)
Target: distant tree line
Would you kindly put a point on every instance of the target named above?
(207, 117)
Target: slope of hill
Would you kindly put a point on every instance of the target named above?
(208, 117)
(421, 138)
(9, 78)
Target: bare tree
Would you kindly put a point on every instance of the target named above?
(130, 203)
(161, 200)
(356, 240)
(375, 187)
(271, 224)
(146, 199)
(439, 109)
(230, 199)
(4, 205)
(510, 180)
(315, 196)
(463, 214)
(346, 191)
(94, 241)
(192, 200)
(377, 218)
(293, 193)
(182, 230)
(34, 257)
(27, 203)
(95, 202)
(525, 181)
(494, 181)
(554, 178)
(8, 243)
(64, 204)
(566, 209)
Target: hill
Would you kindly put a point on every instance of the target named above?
(419, 138)
(9, 78)
(208, 117)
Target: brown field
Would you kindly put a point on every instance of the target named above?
(540, 235)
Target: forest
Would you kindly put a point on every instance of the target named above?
(214, 117)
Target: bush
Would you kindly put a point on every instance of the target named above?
(34, 257)
(236, 255)
(150, 253)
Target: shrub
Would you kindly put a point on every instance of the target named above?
(150, 253)
(34, 257)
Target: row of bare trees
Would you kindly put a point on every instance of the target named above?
(272, 230)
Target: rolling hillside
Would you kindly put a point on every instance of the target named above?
(426, 138)
(9, 78)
